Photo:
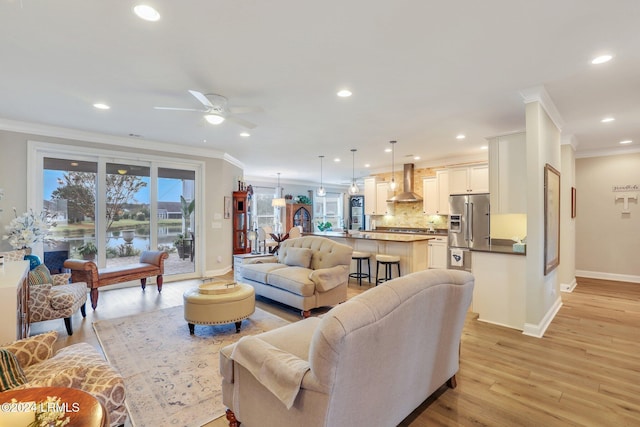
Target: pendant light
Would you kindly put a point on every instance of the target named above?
(321, 191)
(393, 184)
(278, 201)
(354, 187)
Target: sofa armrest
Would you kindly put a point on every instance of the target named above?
(326, 279)
(262, 260)
(277, 370)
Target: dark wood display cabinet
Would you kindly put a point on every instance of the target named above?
(241, 210)
(298, 214)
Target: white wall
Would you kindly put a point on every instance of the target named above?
(567, 267)
(543, 146)
(607, 240)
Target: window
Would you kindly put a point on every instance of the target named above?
(329, 209)
(262, 213)
(110, 210)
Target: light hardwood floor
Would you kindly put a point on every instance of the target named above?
(585, 371)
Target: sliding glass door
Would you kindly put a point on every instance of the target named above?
(110, 210)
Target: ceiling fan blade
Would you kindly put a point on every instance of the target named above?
(244, 110)
(179, 109)
(200, 97)
(241, 122)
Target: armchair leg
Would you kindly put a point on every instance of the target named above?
(306, 313)
(231, 417)
(83, 310)
(67, 324)
(159, 281)
(94, 297)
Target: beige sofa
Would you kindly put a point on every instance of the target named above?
(308, 272)
(368, 362)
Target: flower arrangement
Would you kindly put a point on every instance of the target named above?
(50, 413)
(29, 228)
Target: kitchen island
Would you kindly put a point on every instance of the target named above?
(411, 248)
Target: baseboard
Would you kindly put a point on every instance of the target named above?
(564, 287)
(539, 329)
(608, 276)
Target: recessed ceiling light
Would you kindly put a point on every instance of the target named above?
(484, 147)
(460, 136)
(607, 120)
(416, 157)
(146, 12)
(344, 93)
(601, 59)
(367, 165)
(101, 106)
(245, 134)
(337, 159)
(626, 141)
(387, 150)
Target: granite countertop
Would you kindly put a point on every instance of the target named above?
(370, 235)
(501, 246)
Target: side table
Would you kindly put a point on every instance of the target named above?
(82, 408)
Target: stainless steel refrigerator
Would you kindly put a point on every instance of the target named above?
(356, 212)
(469, 218)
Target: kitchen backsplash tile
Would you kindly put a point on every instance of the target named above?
(410, 215)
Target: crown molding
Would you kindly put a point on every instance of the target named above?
(604, 153)
(540, 94)
(98, 138)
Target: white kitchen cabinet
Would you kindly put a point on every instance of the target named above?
(507, 177)
(382, 195)
(438, 252)
(430, 199)
(435, 194)
(370, 196)
(469, 179)
(442, 178)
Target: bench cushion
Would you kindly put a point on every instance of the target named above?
(116, 271)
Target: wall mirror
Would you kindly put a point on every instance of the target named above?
(551, 218)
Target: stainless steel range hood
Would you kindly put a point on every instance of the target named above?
(407, 194)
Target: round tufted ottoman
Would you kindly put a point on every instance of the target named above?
(217, 304)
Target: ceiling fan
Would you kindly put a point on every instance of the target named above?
(216, 110)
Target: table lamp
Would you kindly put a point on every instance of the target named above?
(253, 237)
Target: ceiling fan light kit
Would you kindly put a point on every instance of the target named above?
(214, 119)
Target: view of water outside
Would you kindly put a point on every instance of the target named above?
(70, 194)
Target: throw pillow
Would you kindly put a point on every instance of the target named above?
(298, 257)
(34, 349)
(11, 374)
(61, 279)
(40, 275)
(34, 261)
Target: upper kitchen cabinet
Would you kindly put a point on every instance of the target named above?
(382, 195)
(507, 173)
(376, 194)
(370, 196)
(469, 179)
(436, 194)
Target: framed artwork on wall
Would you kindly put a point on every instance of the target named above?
(227, 207)
(551, 218)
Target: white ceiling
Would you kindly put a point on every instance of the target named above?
(421, 72)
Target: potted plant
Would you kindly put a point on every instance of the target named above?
(186, 209)
(324, 226)
(88, 251)
(182, 243)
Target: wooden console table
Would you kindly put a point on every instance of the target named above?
(82, 408)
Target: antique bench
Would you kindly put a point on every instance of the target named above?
(151, 264)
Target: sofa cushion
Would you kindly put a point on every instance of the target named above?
(11, 374)
(298, 257)
(258, 272)
(293, 279)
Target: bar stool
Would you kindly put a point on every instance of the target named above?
(359, 257)
(388, 261)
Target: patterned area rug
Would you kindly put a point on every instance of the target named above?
(171, 377)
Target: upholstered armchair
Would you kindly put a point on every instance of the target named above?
(77, 366)
(53, 297)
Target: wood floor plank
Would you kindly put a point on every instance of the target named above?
(583, 372)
